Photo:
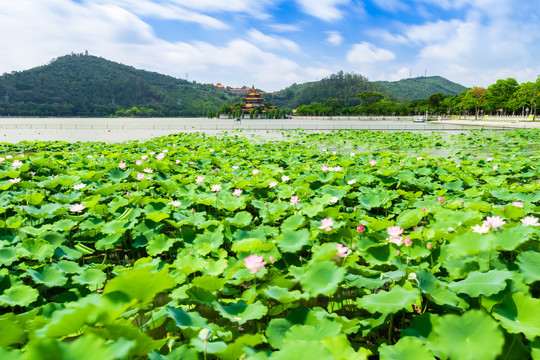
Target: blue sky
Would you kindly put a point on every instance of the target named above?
(272, 44)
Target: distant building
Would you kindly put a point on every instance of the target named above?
(252, 100)
(243, 90)
(220, 87)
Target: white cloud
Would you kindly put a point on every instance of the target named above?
(326, 10)
(334, 38)
(391, 5)
(272, 42)
(284, 27)
(368, 53)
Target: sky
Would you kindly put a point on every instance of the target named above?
(272, 44)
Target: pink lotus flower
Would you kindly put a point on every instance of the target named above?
(177, 161)
(175, 203)
(138, 162)
(495, 167)
(215, 188)
(272, 184)
(285, 178)
(9, 156)
(17, 164)
(236, 167)
(407, 241)
(530, 221)
(254, 263)
(15, 180)
(424, 209)
(518, 204)
(440, 199)
(326, 224)
(199, 180)
(395, 235)
(237, 192)
(76, 208)
(372, 162)
(148, 170)
(144, 157)
(494, 222)
(360, 228)
(255, 171)
(324, 168)
(342, 251)
(394, 230)
(334, 199)
(272, 260)
(350, 182)
(481, 229)
(294, 200)
(140, 176)
(160, 156)
(122, 165)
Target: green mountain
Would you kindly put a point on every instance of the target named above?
(344, 86)
(420, 87)
(83, 85)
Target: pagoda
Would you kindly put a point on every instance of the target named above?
(252, 100)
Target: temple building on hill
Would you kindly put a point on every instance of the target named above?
(252, 100)
(243, 90)
(220, 87)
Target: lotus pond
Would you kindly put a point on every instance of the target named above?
(341, 245)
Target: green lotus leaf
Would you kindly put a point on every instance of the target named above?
(241, 312)
(21, 295)
(185, 319)
(406, 348)
(94, 278)
(230, 202)
(159, 244)
(366, 282)
(409, 218)
(437, 291)
(512, 238)
(482, 283)
(293, 222)
(67, 267)
(208, 241)
(117, 174)
(284, 295)
(292, 241)
(322, 277)
(34, 198)
(473, 335)
(53, 237)
(342, 349)
(312, 210)
(469, 243)
(8, 256)
(276, 330)
(389, 302)
(240, 347)
(11, 332)
(115, 226)
(302, 350)
(157, 216)
(210, 347)
(529, 263)
(183, 352)
(48, 275)
(210, 283)
(519, 313)
(63, 225)
(241, 219)
(36, 249)
(109, 241)
(141, 284)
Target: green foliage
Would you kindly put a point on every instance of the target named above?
(389, 250)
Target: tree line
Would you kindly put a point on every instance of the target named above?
(504, 97)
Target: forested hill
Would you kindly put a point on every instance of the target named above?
(344, 86)
(86, 85)
(420, 87)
